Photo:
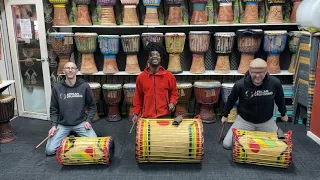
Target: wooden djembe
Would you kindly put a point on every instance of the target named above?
(151, 17)
(174, 17)
(175, 45)
(107, 13)
(224, 44)
(60, 17)
(199, 13)
(251, 12)
(295, 6)
(275, 14)
(225, 14)
(131, 46)
(130, 17)
(109, 47)
(293, 44)
(83, 15)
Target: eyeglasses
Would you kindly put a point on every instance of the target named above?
(70, 68)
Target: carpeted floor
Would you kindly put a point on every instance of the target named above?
(20, 159)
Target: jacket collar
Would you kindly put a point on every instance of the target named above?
(161, 71)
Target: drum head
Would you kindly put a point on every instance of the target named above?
(183, 85)
(61, 34)
(94, 85)
(224, 34)
(5, 98)
(279, 32)
(249, 32)
(129, 86)
(108, 36)
(175, 34)
(207, 84)
(151, 34)
(228, 85)
(130, 36)
(198, 32)
(111, 86)
(86, 34)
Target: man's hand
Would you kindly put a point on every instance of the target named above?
(134, 118)
(87, 125)
(284, 118)
(52, 131)
(171, 107)
(224, 119)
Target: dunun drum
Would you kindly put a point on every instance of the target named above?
(224, 44)
(262, 148)
(226, 91)
(207, 93)
(293, 44)
(251, 12)
(225, 15)
(85, 150)
(96, 89)
(83, 16)
(275, 14)
(185, 91)
(130, 17)
(174, 17)
(129, 90)
(199, 15)
(86, 44)
(175, 45)
(107, 12)
(151, 17)
(274, 44)
(296, 3)
(6, 113)
(131, 46)
(112, 96)
(109, 47)
(60, 17)
(62, 45)
(249, 42)
(199, 43)
(151, 37)
(158, 141)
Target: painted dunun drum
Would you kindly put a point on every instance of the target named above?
(175, 45)
(262, 148)
(274, 44)
(158, 141)
(249, 41)
(85, 150)
(109, 46)
(62, 45)
(207, 93)
(199, 42)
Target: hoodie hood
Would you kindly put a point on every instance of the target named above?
(79, 81)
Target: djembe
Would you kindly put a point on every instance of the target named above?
(85, 150)
(274, 44)
(199, 43)
(6, 114)
(151, 17)
(131, 46)
(199, 15)
(275, 14)
(112, 96)
(184, 90)
(262, 148)
(60, 17)
(130, 17)
(83, 16)
(87, 44)
(151, 37)
(129, 90)
(225, 92)
(175, 45)
(225, 14)
(249, 41)
(109, 47)
(95, 88)
(207, 94)
(295, 6)
(174, 17)
(107, 12)
(251, 12)
(62, 45)
(293, 44)
(159, 141)
(224, 44)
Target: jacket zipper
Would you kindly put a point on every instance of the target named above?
(155, 95)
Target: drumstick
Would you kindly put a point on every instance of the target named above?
(44, 140)
(221, 131)
(133, 126)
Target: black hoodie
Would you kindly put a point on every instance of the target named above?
(256, 103)
(68, 103)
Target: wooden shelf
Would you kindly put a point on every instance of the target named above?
(185, 73)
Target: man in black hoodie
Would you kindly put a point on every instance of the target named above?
(257, 92)
(69, 101)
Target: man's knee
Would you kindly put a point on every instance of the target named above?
(227, 144)
(50, 150)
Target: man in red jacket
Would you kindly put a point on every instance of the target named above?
(156, 91)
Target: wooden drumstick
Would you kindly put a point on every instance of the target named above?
(133, 126)
(45, 140)
(221, 131)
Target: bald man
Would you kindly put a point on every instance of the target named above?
(257, 92)
(69, 100)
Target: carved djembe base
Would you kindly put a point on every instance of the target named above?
(107, 16)
(207, 113)
(275, 14)
(245, 62)
(113, 113)
(6, 134)
(222, 65)
(151, 17)
(88, 65)
(130, 17)
(174, 65)
(63, 59)
(251, 13)
(110, 65)
(83, 17)
(292, 64)
(273, 66)
(132, 65)
(175, 17)
(181, 109)
(197, 66)
(225, 15)
(198, 17)
(60, 15)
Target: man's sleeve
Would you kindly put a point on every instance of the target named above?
(138, 98)
(232, 99)
(280, 101)
(173, 91)
(54, 108)
(90, 103)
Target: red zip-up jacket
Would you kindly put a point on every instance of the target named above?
(154, 92)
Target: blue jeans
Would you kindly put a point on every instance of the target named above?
(63, 131)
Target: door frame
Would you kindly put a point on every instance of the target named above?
(44, 57)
